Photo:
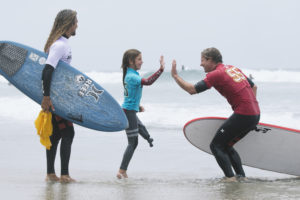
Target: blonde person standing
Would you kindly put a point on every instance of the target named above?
(57, 47)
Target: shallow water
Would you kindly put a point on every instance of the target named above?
(172, 169)
(154, 188)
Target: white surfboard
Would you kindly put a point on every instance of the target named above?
(270, 147)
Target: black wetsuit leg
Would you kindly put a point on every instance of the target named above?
(65, 148)
(144, 132)
(234, 128)
(66, 135)
(132, 136)
(51, 154)
(236, 161)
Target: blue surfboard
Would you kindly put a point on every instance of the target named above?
(75, 96)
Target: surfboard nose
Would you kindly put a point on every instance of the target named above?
(121, 122)
(125, 123)
(117, 125)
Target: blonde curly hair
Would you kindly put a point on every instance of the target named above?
(64, 20)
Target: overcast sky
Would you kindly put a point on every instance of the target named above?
(262, 34)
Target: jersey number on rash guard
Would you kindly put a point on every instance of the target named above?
(234, 73)
(125, 90)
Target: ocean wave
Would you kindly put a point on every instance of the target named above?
(278, 75)
(105, 77)
(164, 116)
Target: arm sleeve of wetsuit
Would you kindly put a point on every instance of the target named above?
(152, 78)
(250, 82)
(46, 79)
(201, 86)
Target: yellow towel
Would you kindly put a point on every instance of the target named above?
(43, 125)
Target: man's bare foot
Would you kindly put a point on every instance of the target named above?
(241, 178)
(122, 174)
(229, 179)
(66, 179)
(52, 178)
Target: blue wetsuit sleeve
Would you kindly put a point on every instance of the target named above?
(201, 86)
(46, 79)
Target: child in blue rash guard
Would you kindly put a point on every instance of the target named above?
(133, 86)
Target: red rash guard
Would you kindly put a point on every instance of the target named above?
(230, 82)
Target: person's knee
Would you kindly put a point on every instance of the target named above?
(68, 135)
(143, 132)
(212, 147)
(55, 137)
(133, 142)
(216, 147)
(143, 128)
(231, 151)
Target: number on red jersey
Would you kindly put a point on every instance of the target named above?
(235, 74)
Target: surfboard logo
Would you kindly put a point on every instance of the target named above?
(87, 88)
(262, 129)
(36, 58)
(79, 78)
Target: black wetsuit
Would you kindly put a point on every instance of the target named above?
(135, 128)
(62, 129)
(234, 128)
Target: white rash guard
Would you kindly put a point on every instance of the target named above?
(59, 50)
